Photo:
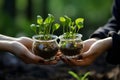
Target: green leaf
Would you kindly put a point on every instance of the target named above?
(72, 28)
(55, 27)
(62, 20)
(68, 21)
(85, 76)
(79, 22)
(35, 28)
(49, 19)
(74, 75)
(39, 20)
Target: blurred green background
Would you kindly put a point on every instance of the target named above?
(17, 15)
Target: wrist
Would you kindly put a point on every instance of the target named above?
(5, 45)
(7, 38)
(107, 42)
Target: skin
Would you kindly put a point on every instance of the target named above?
(22, 48)
(92, 49)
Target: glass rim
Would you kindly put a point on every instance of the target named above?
(78, 38)
(55, 37)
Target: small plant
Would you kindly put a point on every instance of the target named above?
(79, 77)
(71, 28)
(70, 41)
(45, 27)
(44, 42)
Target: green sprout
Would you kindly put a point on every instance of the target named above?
(79, 77)
(71, 28)
(45, 27)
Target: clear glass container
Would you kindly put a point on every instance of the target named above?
(70, 47)
(46, 49)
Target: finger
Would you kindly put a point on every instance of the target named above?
(73, 62)
(86, 54)
(36, 59)
(79, 57)
(67, 61)
(57, 58)
(28, 57)
(58, 55)
(26, 41)
(81, 62)
(64, 59)
(50, 62)
(84, 63)
(22, 52)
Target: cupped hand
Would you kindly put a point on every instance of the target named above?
(91, 50)
(22, 48)
(27, 42)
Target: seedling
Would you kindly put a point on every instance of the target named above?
(79, 77)
(70, 41)
(71, 28)
(45, 27)
(45, 43)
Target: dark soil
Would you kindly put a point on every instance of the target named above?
(71, 50)
(45, 50)
(12, 68)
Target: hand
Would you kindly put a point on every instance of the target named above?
(75, 61)
(91, 50)
(27, 42)
(22, 48)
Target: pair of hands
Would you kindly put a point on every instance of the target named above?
(22, 47)
(92, 49)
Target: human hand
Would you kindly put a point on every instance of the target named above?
(27, 42)
(91, 50)
(86, 45)
(22, 48)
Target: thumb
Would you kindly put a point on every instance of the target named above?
(86, 54)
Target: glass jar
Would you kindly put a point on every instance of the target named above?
(71, 47)
(47, 49)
